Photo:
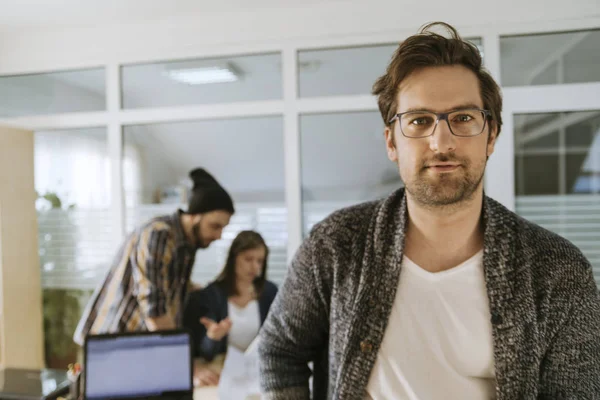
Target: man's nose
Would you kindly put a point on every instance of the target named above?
(442, 140)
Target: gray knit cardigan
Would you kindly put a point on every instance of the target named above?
(334, 305)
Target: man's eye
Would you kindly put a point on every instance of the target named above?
(463, 118)
(420, 121)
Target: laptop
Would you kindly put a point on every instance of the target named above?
(33, 384)
(141, 365)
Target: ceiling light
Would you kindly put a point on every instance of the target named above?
(203, 75)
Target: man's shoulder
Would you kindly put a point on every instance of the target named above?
(159, 224)
(537, 243)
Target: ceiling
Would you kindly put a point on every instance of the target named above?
(20, 14)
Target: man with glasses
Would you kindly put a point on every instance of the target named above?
(436, 292)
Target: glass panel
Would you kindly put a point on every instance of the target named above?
(344, 162)
(566, 57)
(539, 175)
(202, 81)
(549, 76)
(582, 60)
(75, 233)
(559, 188)
(549, 141)
(52, 93)
(344, 71)
(159, 157)
(536, 131)
(583, 133)
(581, 168)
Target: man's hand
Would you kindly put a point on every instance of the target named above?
(204, 376)
(216, 330)
(162, 323)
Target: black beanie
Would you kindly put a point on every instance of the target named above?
(207, 195)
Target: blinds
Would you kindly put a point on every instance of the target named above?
(269, 219)
(574, 217)
(75, 247)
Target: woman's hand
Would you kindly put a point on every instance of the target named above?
(216, 330)
(204, 376)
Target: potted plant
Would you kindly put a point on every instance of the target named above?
(62, 306)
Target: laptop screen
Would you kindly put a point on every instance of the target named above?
(138, 365)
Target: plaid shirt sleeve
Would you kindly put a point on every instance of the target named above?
(152, 257)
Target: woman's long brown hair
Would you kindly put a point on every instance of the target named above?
(245, 240)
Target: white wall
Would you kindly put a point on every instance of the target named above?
(207, 33)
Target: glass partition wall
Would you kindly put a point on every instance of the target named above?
(293, 133)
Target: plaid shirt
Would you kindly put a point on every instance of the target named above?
(149, 278)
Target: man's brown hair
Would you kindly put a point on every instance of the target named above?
(430, 49)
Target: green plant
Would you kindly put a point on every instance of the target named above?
(62, 310)
(61, 307)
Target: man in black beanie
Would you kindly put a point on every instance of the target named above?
(147, 284)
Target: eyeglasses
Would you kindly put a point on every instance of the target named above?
(420, 124)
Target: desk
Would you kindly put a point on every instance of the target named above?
(211, 393)
(206, 393)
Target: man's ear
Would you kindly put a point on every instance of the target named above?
(390, 144)
(492, 136)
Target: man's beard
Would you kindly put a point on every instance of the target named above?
(447, 189)
(200, 244)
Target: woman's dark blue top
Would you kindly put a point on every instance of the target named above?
(211, 302)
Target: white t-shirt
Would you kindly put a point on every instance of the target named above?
(245, 323)
(438, 342)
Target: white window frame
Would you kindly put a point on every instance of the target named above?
(500, 174)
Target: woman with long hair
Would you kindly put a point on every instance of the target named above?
(231, 310)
